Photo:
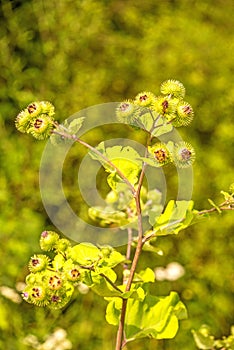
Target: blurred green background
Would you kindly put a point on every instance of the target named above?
(80, 53)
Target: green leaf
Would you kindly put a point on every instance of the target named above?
(153, 206)
(146, 120)
(176, 217)
(101, 149)
(108, 216)
(103, 288)
(154, 317)
(136, 292)
(126, 159)
(147, 275)
(151, 161)
(114, 259)
(227, 196)
(148, 247)
(162, 128)
(58, 262)
(84, 253)
(75, 125)
(113, 311)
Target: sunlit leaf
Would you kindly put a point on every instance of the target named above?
(176, 216)
(84, 253)
(102, 287)
(75, 125)
(155, 317)
(147, 275)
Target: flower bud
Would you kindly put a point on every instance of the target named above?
(73, 274)
(48, 240)
(173, 87)
(183, 155)
(62, 245)
(34, 109)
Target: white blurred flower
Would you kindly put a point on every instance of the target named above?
(56, 341)
(172, 272)
(20, 286)
(11, 294)
(31, 340)
(83, 288)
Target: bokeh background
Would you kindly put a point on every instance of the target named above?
(81, 53)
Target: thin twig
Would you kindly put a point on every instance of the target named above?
(92, 268)
(223, 206)
(111, 283)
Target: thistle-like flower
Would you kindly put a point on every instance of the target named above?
(144, 99)
(38, 263)
(126, 111)
(55, 282)
(184, 114)
(47, 108)
(173, 88)
(160, 153)
(183, 155)
(41, 127)
(59, 298)
(23, 121)
(166, 107)
(34, 109)
(36, 294)
(73, 274)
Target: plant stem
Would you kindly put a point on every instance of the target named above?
(119, 340)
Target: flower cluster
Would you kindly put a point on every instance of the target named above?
(170, 105)
(51, 282)
(37, 120)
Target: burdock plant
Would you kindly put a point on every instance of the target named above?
(129, 206)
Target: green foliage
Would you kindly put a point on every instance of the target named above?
(151, 317)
